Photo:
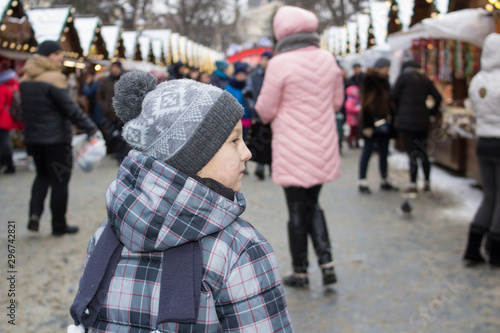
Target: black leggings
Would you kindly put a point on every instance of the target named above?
(488, 215)
(53, 169)
(306, 218)
(416, 147)
(5, 149)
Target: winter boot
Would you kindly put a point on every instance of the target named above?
(34, 222)
(328, 273)
(319, 234)
(296, 280)
(494, 253)
(472, 254)
(321, 242)
(297, 238)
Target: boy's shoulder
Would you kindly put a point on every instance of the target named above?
(238, 236)
(238, 240)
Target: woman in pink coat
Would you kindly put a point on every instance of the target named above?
(302, 89)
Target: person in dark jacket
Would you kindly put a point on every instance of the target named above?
(219, 77)
(177, 71)
(49, 113)
(357, 78)
(413, 118)
(376, 122)
(111, 125)
(175, 208)
(263, 137)
(90, 88)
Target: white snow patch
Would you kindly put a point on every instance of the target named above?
(460, 188)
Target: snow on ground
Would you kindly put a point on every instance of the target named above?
(463, 190)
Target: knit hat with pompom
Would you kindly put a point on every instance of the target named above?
(181, 122)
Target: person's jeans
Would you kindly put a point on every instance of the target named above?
(382, 142)
(53, 169)
(416, 148)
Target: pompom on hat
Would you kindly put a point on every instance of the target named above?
(181, 122)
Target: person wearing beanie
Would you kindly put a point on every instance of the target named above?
(485, 97)
(260, 137)
(48, 47)
(194, 72)
(111, 125)
(177, 71)
(174, 243)
(235, 87)
(9, 83)
(376, 123)
(410, 95)
(302, 90)
(219, 77)
(48, 114)
(358, 75)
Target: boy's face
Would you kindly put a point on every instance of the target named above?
(228, 164)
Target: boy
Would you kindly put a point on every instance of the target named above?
(174, 256)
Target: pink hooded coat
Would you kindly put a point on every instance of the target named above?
(302, 90)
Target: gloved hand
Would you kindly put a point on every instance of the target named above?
(368, 132)
(96, 135)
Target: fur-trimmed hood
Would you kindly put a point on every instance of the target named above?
(41, 69)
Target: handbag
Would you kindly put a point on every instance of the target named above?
(382, 126)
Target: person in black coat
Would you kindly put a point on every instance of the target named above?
(260, 138)
(413, 118)
(49, 113)
(376, 122)
(219, 77)
(358, 76)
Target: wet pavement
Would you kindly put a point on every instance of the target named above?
(396, 274)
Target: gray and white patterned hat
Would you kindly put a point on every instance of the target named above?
(181, 122)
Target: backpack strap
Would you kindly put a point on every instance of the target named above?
(94, 283)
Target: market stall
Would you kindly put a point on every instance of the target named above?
(17, 38)
(91, 40)
(112, 35)
(449, 49)
(57, 24)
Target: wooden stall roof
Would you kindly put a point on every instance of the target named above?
(16, 34)
(163, 35)
(91, 40)
(112, 36)
(132, 46)
(56, 24)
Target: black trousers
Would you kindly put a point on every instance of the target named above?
(53, 169)
(5, 149)
(306, 218)
(416, 148)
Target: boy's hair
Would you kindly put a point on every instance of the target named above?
(181, 122)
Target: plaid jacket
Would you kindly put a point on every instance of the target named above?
(154, 207)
